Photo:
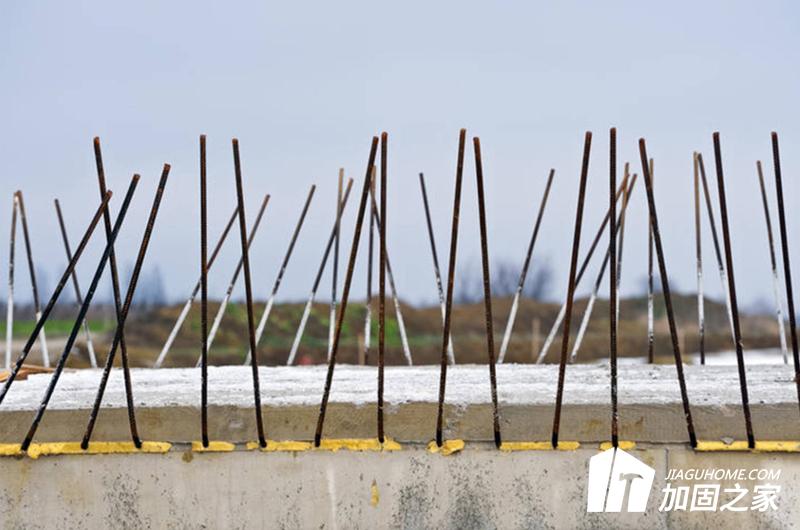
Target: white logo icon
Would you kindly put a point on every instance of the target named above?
(618, 482)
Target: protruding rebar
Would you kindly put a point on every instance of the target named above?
(701, 312)
(451, 276)
(787, 270)
(248, 290)
(381, 280)
(126, 306)
(487, 290)
(512, 316)
(320, 270)
(774, 265)
(451, 358)
(32, 271)
(54, 297)
(368, 301)
(335, 272)
(612, 277)
(346, 291)
(76, 287)
(576, 243)
(662, 267)
(203, 294)
(188, 305)
(651, 335)
(10, 299)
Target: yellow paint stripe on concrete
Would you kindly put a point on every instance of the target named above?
(767, 446)
(448, 447)
(213, 447)
(10, 450)
(329, 444)
(624, 445)
(95, 448)
(538, 446)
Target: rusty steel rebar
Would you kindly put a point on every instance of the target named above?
(651, 336)
(346, 291)
(701, 312)
(576, 242)
(662, 267)
(203, 294)
(381, 280)
(368, 301)
(335, 272)
(10, 298)
(612, 287)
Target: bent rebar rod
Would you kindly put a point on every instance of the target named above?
(310, 302)
(188, 305)
(268, 307)
(75, 286)
(512, 316)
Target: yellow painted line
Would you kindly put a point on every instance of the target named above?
(329, 444)
(74, 448)
(10, 450)
(779, 446)
(538, 446)
(213, 447)
(448, 447)
(622, 444)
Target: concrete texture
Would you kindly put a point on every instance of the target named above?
(167, 402)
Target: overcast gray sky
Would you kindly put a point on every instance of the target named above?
(305, 86)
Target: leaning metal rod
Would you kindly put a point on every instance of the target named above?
(262, 324)
(232, 284)
(401, 325)
(512, 316)
(101, 182)
(76, 287)
(188, 305)
(787, 271)
(381, 280)
(487, 290)
(62, 360)
(54, 297)
(587, 314)
(451, 358)
(368, 301)
(36, 305)
(262, 441)
(335, 272)
(137, 268)
(346, 291)
(612, 288)
(651, 336)
(451, 275)
(10, 300)
(723, 276)
(561, 312)
(662, 267)
(737, 333)
(621, 244)
(320, 270)
(774, 264)
(203, 295)
(576, 243)
(701, 313)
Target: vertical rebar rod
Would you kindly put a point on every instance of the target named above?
(737, 332)
(723, 276)
(612, 288)
(126, 306)
(576, 243)
(368, 302)
(381, 280)
(54, 297)
(75, 285)
(651, 336)
(335, 272)
(62, 360)
(346, 291)
(701, 312)
(662, 267)
(235, 277)
(584, 265)
(512, 315)
(787, 271)
(32, 271)
(621, 245)
(320, 270)
(451, 358)
(188, 305)
(10, 299)
(262, 324)
(451, 276)
(774, 265)
(487, 290)
(203, 294)
(112, 259)
(248, 290)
